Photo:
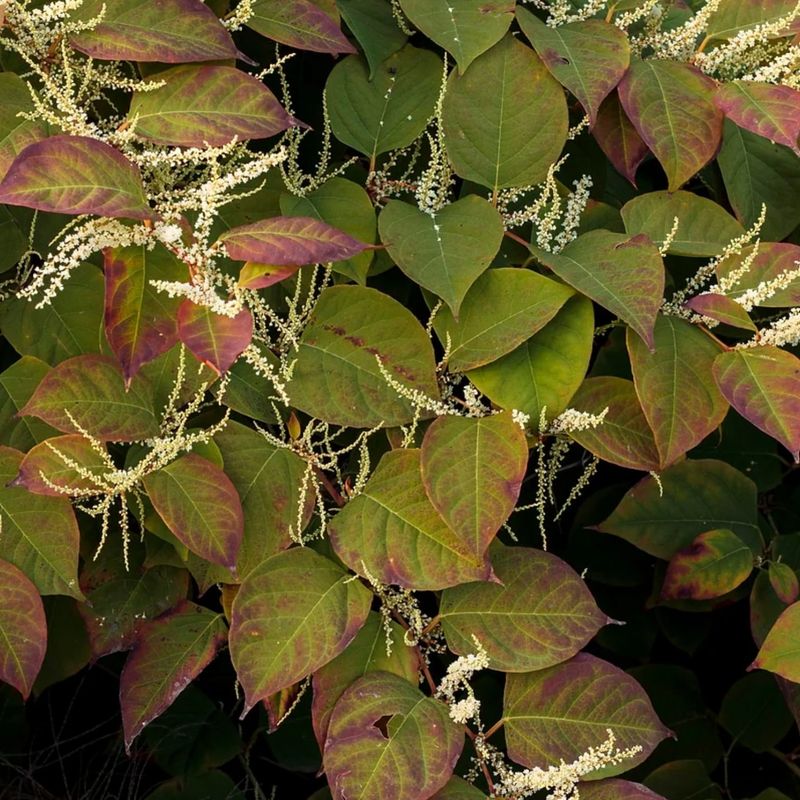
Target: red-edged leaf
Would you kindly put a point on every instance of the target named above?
(671, 104)
(618, 138)
(90, 391)
(23, 629)
(260, 276)
(215, 339)
(169, 654)
(140, 322)
(169, 31)
(763, 385)
(75, 175)
(207, 105)
(201, 507)
(783, 580)
(766, 109)
(285, 241)
(721, 308)
(300, 24)
(780, 653)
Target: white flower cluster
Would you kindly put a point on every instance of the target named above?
(570, 421)
(457, 679)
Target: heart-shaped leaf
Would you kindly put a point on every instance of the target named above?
(411, 760)
(445, 251)
(201, 507)
(763, 385)
(392, 532)
(522, 124)
(293, 614)
(539, 615)
(75, 175)
(207, 105)
(779, 652)
(214, 339)
(618, 138)
(557, 714)
(298, 23)
(472, 469)
(23, 630)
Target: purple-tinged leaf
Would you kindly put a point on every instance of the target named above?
(715, 563)
(721, 308)
(672, 107)
(763, 385)
(675, 386)
(766, 109)
(772, 260)
(49, 465)
(260, 276)
(90, 391)
(624, 274)
(201, 507)
(617, 789)
(214, 339)
(293, 614)
(170, 652)
(392, 531)
(207, 105)
(140, 322)
(75, 175)
(40, 534)
(409, 756)
(300, 24)
(366, 653)
(624, 438)
(780, 653)
(290, 241)
(783, 580)
(539, 615)
(589, 58)
(618, 138)
(559, 713)
(472, 470)
(169, 31)
(23, 630)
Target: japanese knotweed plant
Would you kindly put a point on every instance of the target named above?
(320, 319)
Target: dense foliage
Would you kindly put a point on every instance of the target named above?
(400, 399)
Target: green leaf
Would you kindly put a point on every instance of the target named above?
(140, 322)
(70, 325)
(207, 105)
(694, 496)
(616, 789)
(250, 393)
(410, 757)
(90, 391)
(755, 172)
(373, 24)
(170, 653)
(366, 653)
(293, 614)
(715, 563)
(214, 339)
(269, 481)
(346, 206)
(337, 376)
(465, 28)
(388, 110)
(731, 18)
(75, 175)
(704, 228)
(558, 713)
(672, 107)
(779, 653)
(392, 532)
(170, 31)
(624, 274)
(546, 370)
(67, 642)
(16, 133)
(459, 789)
(23, 630)
(679, 398)
(783, 580)
(624, 438)
(539, 615)
(39, 534)
(686, 779)
(763, 385)
(300, 24)
(472, 470)
(444, 251)
(589, 58)
(200, 505)
(17, 384)
(772, 260)
(502, 309)
(618, 138)
(522, 124)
